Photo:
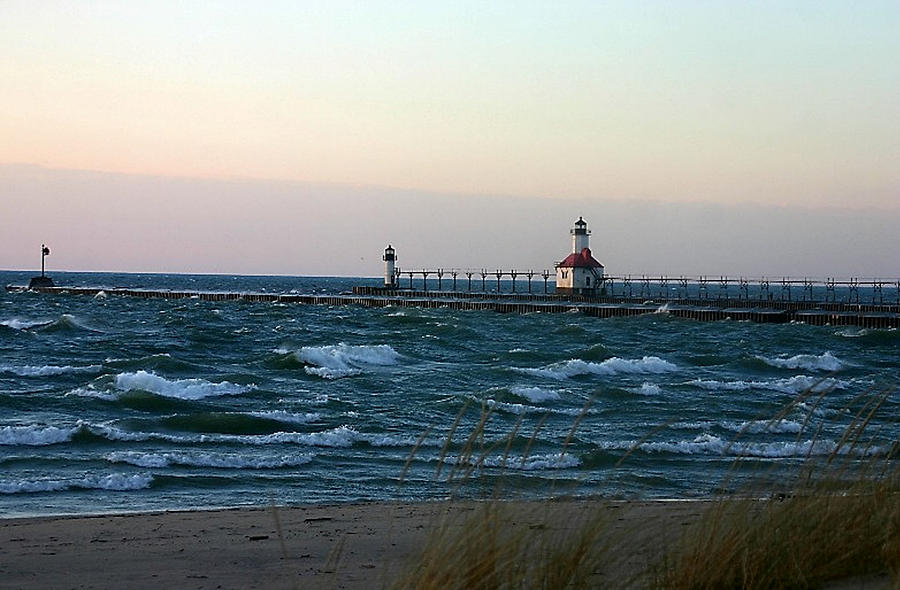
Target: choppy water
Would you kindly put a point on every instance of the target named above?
(111, 403)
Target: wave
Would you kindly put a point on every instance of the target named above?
(537, 462)
(339, 437)
(612, 366)
(65, 323)
(344, 360)
(791, 385)
(189, 389)
(535, 395)
(708, 444)
(521, 409)
(47, 370)
(806, 362)
(647, 388)
(200, 459)
(20, 324)
(765, 426)
(287, 417)
(749, 427)
(113, 482)
(35, 435)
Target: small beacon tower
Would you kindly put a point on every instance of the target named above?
(580, 273)
(390, 276)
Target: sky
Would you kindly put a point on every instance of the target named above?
(300, 137)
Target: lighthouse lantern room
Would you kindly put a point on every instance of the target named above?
(580, 273)
(390, 276)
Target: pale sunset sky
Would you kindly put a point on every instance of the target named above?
(753, 138)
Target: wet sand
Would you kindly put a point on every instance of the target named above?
(343, 546)
(358, 546)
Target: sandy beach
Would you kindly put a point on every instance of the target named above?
(354, 546)
(359, 546)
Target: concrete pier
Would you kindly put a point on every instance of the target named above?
(818, 313)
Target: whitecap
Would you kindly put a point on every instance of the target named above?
(537, 462)
(611, 366)
(791, 385)
(190, 389)
(339, 437)
(647, 388)
(35, 435)
(344, 360)
(535, 395)
(113, 482)
(764, 426)
(708, 444)
(807, 362)
(19, 324)
(201, 459)
(288, 417)
(853, 332)
(47, 370)
(520, 409)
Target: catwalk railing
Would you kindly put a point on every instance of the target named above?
(663, 288)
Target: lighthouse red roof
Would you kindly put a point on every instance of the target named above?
(581, 259)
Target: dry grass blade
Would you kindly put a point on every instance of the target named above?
(833, 527)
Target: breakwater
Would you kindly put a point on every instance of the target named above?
(871, 314)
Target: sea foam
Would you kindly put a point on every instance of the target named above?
(708, 444)
(189, 389)
(20, 324)
(647, 388)
(611, 366)
(47, 370)
(205, 459)
(35, 435)
(535, 395)
(114, 482)
(806, 362)
(791, 385)
(344, 360)
(538, 462)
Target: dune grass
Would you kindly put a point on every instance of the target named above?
(829, 518)
(838, 518)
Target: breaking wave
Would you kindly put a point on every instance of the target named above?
(647, 388)
(538, 462)
(535, 395)
(765, 426)
(47, 370)
(35, 435)
(344, 360)
(20, 324)
(792, 385)
(201, 459)
(339, 437)
(189, 389)
(612, 366)
(806, 362)
(113, 482)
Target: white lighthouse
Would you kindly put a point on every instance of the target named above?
(580, 273)
(390, 277)
(580, 235)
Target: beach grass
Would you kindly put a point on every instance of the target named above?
(832, 518)
(829, 518)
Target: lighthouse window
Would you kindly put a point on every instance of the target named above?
(587, 281)
(565, 274)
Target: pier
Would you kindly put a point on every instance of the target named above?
(854, 302)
